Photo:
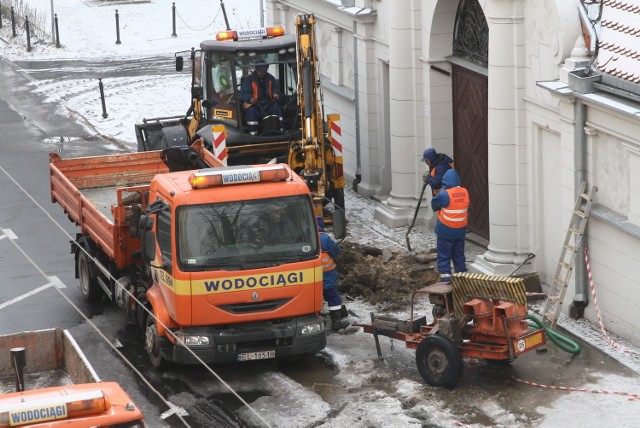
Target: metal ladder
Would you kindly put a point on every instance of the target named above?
(566, 263)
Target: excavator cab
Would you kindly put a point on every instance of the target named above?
(224, 64)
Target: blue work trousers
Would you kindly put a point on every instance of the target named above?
(256, 113)
(330, 290)
(450, 250)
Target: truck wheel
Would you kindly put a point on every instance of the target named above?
(88, 279)
(439, 361)
(153, 343)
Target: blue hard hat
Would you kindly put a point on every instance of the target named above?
(429, 155)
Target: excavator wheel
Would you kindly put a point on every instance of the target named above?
(439, 361)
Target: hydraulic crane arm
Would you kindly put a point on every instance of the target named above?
(312, 144)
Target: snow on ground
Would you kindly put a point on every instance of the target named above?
(87, 31)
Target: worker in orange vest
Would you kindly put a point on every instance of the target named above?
(260, 93)
(330, 249)
(452, 206)
(438, 164)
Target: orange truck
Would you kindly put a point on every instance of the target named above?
(69, 392)
(226, 259)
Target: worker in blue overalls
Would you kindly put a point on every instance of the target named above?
(330, 249)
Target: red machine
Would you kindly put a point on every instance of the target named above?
(477, 316)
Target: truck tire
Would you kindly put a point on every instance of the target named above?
(439, 361)
(153, 343)
(88, 279)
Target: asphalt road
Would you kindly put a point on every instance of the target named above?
(344, 383)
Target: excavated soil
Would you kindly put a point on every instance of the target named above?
(383, 277)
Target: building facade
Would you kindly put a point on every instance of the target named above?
(530, 97)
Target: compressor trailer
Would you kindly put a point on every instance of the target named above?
(477, 316)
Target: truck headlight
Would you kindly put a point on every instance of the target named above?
(316, 327)
(193, 340)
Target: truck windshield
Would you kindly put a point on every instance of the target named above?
(246, 234)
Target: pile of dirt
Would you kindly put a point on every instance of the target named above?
(384, 277)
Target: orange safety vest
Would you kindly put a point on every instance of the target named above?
(327, 262)
(455, 215)
(433, 170)
(433, 174)
(254, 89)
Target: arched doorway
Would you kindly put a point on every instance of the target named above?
(470, 110)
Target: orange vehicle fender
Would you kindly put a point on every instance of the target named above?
(71, 406)
(159, 310)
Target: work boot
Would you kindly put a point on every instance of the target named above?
(337, 321)
(343, 312)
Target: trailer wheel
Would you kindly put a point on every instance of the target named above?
(88, 279)
(439, 361)
(153, 343)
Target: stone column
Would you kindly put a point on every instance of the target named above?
(399, 208)
(506, 137)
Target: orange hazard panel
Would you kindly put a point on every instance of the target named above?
(82, 405)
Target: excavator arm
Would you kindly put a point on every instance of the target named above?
(313, 157)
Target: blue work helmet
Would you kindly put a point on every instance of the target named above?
(429, 155)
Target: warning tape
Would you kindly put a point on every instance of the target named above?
(595, 302)
(572, 389)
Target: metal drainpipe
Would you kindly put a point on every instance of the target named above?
(580, 299)
(357, 106)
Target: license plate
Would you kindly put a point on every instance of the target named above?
(262, 355)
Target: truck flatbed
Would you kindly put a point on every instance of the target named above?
(103, 198)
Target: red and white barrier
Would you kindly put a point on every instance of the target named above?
(220, 143)
(595, 302)
(571, 389)
(336, 133)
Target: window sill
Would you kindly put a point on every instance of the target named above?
(615, 219)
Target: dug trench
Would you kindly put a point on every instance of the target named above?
(387, 278)
(383, 277)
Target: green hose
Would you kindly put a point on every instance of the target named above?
(562, 341)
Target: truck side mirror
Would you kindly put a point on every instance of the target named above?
(179, 63)
(147, 239)
(339, 224)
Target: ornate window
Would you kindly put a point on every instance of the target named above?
(471, 33)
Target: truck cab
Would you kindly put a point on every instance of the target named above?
(235, 265)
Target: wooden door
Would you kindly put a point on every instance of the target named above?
(470, 143)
